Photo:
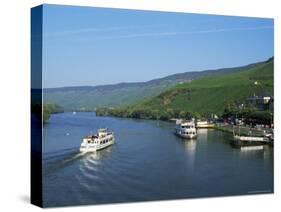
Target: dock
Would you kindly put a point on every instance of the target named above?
(246, 137)
(243, 130)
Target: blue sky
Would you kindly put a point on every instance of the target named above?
(95, 46)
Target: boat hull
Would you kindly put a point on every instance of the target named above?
(250, 139)
(94, 148)
(186, 136)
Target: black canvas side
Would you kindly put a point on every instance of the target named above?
(36, 105)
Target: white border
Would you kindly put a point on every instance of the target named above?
(15, 100)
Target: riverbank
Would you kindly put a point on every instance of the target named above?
(242, 130)
(228, 128)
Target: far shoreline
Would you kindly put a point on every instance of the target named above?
(227, 128)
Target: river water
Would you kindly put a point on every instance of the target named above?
(147, 162)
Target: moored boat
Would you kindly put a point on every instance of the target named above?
(250, 138)
(204, 124)
(186, 129)
(101, 140)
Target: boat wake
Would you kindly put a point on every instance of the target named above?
(54, 161)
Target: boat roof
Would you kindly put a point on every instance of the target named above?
(91, 136)
(103, 130)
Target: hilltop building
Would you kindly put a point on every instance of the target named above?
(263, 102)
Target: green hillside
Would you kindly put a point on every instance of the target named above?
(206, 95)
(90, 98)
(124, 94)
(212, 94)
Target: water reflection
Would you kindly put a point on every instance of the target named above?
(266, 153)
(251, 148)
(259, 152)
(190, 148)
(190, 145)
(203, 133)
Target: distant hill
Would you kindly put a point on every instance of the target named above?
(210, 94)
(124, 94)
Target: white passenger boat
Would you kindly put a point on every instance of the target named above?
(186, 129)
(98, 141)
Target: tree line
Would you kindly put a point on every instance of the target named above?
(47, 110)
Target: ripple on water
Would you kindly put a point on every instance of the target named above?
(117, 175)
(147, 162)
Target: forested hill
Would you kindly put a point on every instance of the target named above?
(205, 95)
(124, 94)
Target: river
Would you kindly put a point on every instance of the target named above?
(147, 162)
